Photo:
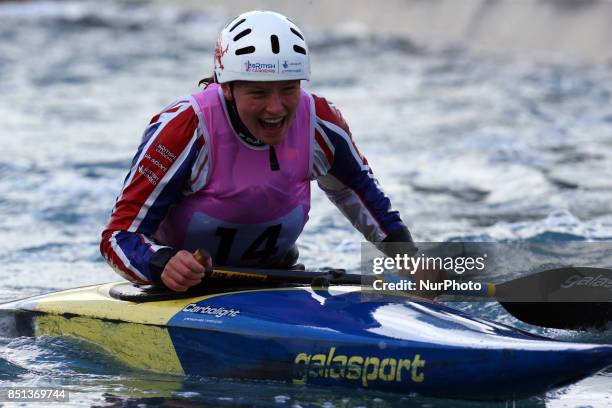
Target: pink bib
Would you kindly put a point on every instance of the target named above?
(246, 214)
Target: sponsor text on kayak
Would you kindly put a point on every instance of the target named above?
(213, 311)
(363, 369)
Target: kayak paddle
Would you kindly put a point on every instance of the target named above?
(564, 298)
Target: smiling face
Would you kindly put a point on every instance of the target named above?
(266, 108)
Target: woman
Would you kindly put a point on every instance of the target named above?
(228, 169)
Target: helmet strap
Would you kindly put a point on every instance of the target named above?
(273, 159)
(237, 123)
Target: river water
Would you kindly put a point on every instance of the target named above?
(467, 147)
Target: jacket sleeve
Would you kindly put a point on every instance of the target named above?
(344, 174)
(158, 178)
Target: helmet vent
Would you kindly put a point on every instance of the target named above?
(299, 49)
(237, 24)
(242, 34)
(296, 32)
(245, 50)
(274, 41)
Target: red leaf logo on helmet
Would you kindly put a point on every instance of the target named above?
(219, 53)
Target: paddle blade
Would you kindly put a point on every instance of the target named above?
(568, 284)
(562, 315)
(565, 298)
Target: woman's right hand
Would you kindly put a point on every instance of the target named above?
(183, 271)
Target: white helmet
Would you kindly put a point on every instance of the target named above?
(261, 46)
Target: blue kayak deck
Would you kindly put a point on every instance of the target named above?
(339, 336)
